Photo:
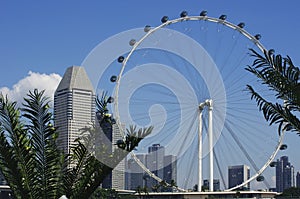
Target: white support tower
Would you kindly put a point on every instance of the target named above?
(202, 105)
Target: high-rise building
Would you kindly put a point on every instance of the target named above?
(216, 184)
(116, 179)
(163, 166)
(284, 174)
(155, 163)
(74, 109)
(170, 168)
(136, 176)
(298, 179)
(74, 106)
(237, 175)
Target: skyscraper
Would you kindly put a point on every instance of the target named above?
(284, 174)
(163, 166)
(116, 179)
(298, 179)
(238, 174)
(216, 184)
(74, 109)
(74, 106)
(136, 176)
(155, 162)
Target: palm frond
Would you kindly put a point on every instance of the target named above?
(276, 113)
(15, 151)
(282, 77)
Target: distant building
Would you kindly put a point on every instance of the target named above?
(155, 163)
(298, 179)
(116, 179)
(135, 175)
(237, 175)
(170, 168)
(284, 174)
(163, 166)
(216, 184)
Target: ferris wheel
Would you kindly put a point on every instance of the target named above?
(186, 77)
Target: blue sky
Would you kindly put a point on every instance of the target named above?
(47, 37)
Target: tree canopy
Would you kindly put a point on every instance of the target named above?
(35, 167)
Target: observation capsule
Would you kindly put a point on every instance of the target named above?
(241, 25)
(260, 178)
(113, 78)
(283, 147)
(164, 19)
(273, 164)
(183, 14)
(203, 13)
(110, 100)
(223, 17)
(120, 59)
(132, 42)
(257, 36)
(147, 28)
(121, 144)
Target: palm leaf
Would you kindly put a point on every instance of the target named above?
(16, 156)
(43, 137)
(282, 77)
(276, 113)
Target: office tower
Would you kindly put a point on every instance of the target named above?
(238, 174)
(155, 163)
(216, 185)
(170, 168)
(74, 109)
(298, 179)
(163, 166)
(74, 106)
(284, 174)
(136, 176)
(116, 179)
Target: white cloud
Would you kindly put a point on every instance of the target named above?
(32, 81)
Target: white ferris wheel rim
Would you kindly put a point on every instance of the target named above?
(230, 25)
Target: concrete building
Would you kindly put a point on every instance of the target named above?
(238, 174)
(116, 180)
(163, 166)
(216, 185)
(74, 109)
(136, 176)
(155, 163)
(74, 106)
(170, 168)
(298, 179)
(284, 174)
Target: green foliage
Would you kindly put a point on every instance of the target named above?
(281, 77)
(33, 165)
(29, 158)
(293, 192)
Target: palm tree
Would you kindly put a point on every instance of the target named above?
(33, 165)
(281, 76)
(29, 158)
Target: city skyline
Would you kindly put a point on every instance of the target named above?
(41, 48)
